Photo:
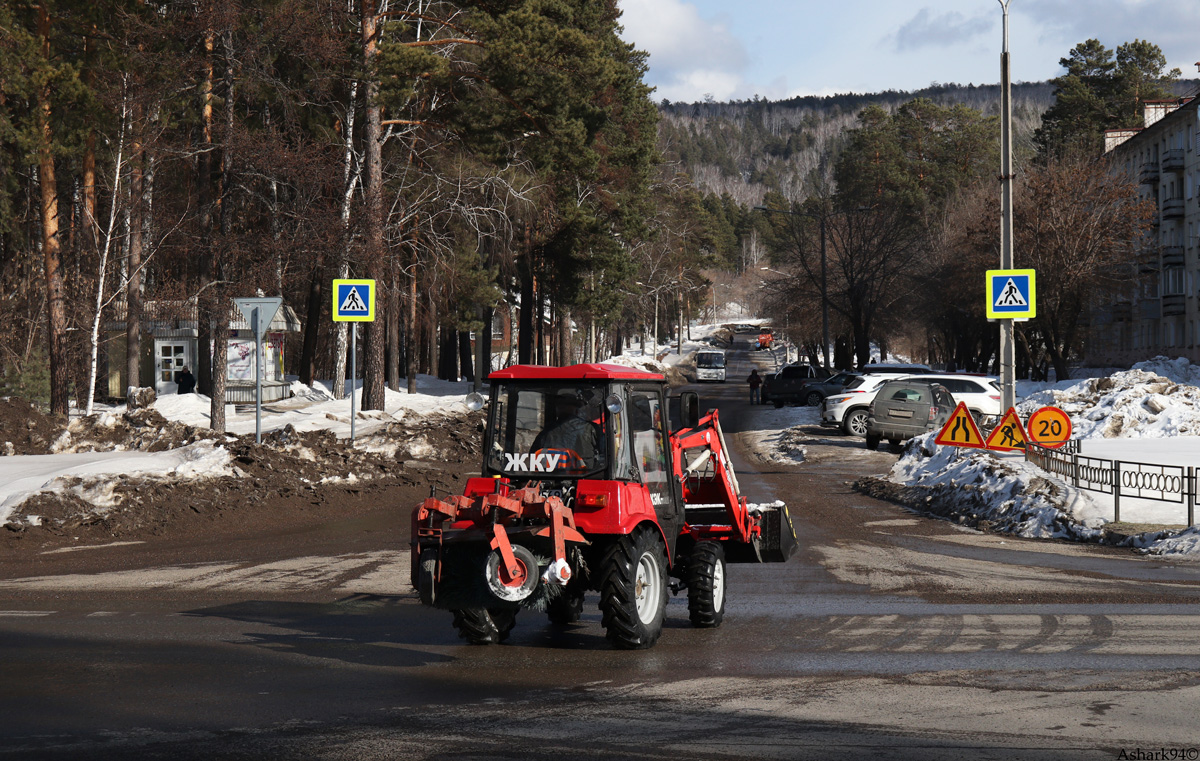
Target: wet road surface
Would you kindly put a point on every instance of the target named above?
(889, 635)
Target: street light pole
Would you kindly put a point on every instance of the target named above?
(824, 301)
(1008, 350)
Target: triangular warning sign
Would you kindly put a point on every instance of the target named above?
(1009, 436)
(353, 302)
(1010, 296)
(960, 430)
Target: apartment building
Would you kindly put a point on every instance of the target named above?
(1160, 313)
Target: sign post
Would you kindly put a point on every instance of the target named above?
(353, 301)
(258, 312)
(1011, 295)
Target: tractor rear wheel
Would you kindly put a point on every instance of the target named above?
(706, 585)
(484, 626)
(633, 589)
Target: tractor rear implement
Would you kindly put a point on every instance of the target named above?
(585, 488)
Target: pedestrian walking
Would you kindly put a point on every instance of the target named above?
(754, 382)
(186, 382)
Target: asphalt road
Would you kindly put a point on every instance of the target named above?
(889, 635)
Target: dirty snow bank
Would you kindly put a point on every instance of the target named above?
(90, 476)
(1008, 495)
(1001, 494)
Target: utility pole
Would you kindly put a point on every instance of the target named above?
(1008, 350)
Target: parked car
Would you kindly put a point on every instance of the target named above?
(816, 392)
(710, 366)
(896, 368)
(907, 407)
(790, 384)
(848, 409)
(980, 393)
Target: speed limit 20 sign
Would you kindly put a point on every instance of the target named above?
(1049, 427)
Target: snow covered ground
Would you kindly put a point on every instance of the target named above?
(1149, 414)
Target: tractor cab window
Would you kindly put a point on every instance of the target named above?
(551, 430)
(649, 443)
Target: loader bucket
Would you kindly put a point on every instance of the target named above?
(778, 541)
(778, 534)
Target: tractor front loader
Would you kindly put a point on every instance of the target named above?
(585, 488)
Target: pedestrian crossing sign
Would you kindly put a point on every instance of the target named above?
(960, 430)
(353, 300)
(1011, 294)
(1009, 436)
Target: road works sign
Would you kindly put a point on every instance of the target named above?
(960, 430)
(1009, 436)
(1011, 294)
(1050, 427)
(354, 301)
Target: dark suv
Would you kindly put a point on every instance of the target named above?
(906, 408)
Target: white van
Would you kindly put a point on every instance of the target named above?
(710, 366)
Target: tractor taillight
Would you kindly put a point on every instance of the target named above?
(592, 500)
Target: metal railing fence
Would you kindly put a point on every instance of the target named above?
(1174, 484)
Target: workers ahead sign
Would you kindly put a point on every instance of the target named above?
(1011, 294)
(354, 301)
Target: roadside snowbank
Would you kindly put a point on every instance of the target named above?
(86, 474)
(1154, 400)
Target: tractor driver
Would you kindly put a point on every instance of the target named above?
(574, 430)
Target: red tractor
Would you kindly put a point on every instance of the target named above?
(584, 486)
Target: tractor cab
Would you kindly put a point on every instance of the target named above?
(561, 425)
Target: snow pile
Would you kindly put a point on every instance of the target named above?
(1008, 495)
(1157, 398)
(91, 476)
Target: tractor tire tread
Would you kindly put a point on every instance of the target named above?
(618, 601)
(703, 608)
(483, 626)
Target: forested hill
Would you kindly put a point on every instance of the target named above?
(745, 148)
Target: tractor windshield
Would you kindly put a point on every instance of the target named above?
(548, 430)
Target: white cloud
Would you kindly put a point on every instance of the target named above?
(927, 30)
(690, 56)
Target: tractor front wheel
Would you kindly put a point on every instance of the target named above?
(633, 589)
(706, 585)
(484, 626)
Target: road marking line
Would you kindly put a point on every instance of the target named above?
(25, 613)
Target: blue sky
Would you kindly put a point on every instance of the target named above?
(779, 48)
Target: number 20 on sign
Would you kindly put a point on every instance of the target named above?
(1049, 427)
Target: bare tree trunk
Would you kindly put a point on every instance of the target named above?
(393, 331)
(224, 203)
(312, 323)
(412, 335)
(57, 322)
(205, 301)
(373, 371)
(133, 283)
(349, 182)
(102, 270)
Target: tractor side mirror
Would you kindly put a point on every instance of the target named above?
(689, 409)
